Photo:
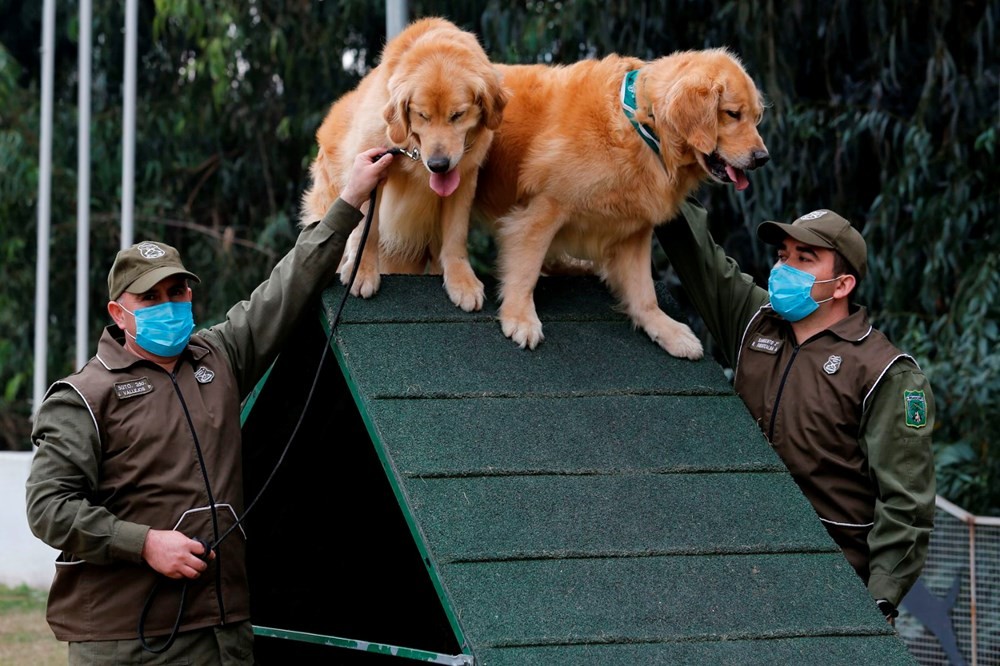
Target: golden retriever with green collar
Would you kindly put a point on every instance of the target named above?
(591, 156)
(436, 94)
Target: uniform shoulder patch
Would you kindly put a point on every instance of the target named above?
(915, 405)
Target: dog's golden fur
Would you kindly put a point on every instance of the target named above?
(434, 90)
(568, 174)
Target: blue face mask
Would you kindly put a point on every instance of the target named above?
(791, 292)
(163, 329)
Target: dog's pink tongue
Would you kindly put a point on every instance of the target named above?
(738, 177)
(445, 183)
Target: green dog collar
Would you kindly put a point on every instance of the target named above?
(628, 106)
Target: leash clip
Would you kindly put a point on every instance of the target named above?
(413, 154)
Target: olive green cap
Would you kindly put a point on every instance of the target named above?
(821, 228)
(136, 269)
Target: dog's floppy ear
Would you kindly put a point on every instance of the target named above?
(692, 105)
(492, 99)
(397, 112)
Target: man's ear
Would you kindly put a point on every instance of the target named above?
(846, 286)
(117, 313)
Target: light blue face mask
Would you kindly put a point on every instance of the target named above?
(163, 329)
(791, 292)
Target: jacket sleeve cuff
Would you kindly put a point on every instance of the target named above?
(342, 217)
(881, 586)
(128, 540)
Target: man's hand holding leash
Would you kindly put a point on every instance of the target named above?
(175, 555)
(369, 171)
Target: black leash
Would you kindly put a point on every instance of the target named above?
(208, 548)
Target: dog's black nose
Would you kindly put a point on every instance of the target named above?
(438, 164)
(760, 158)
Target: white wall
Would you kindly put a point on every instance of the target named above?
(23, 558)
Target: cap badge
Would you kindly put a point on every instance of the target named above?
(832, 364)
(204, 375)
(916, 408)
(816, 214)
(150, 250)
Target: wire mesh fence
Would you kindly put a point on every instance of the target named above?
(952, 615)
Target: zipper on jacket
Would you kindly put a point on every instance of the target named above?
(211, 499)
(777, 398)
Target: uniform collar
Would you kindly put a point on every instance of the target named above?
(855, 327)
(112, 354)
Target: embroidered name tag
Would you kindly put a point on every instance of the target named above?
(133, 388)
(916, 408)
(204, 375)
(766, 345)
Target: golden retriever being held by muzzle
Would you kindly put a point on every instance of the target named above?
(435, 94)
(591, 156)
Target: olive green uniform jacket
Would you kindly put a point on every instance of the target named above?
(849, 414)
(124, 447)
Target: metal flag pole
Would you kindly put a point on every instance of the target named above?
(44, 203)
(83, 186)
(128, 124)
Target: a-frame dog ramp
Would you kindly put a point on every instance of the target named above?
(452, 498)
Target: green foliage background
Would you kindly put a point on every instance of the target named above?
(887, 112)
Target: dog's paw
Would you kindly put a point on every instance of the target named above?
(525, 332)
(468, 294)
(366, 282)
(681, 342)
(676, 338)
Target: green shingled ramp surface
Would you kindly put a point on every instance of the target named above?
(594, 501)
